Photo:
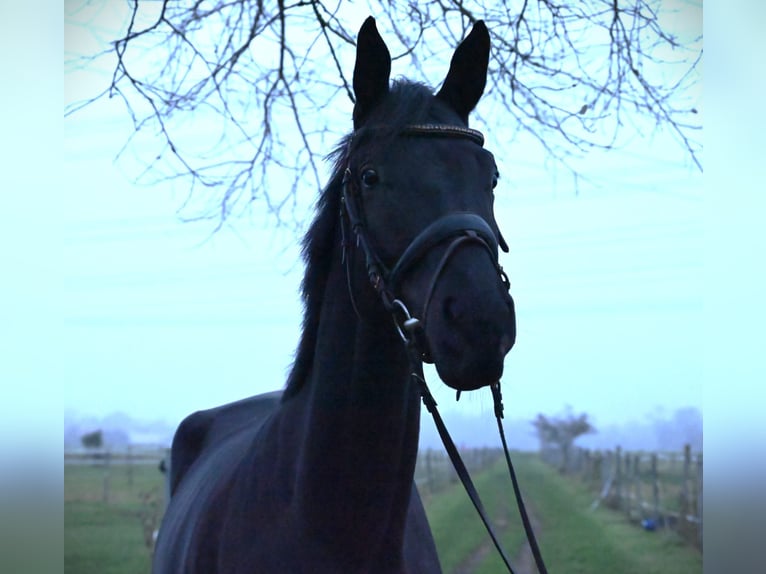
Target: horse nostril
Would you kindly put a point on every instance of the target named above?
(449, 309)
(506, 343)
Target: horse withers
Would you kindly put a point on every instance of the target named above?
(401, 259)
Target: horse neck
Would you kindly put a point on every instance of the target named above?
(362, 420)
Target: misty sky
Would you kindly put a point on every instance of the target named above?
(161, 318)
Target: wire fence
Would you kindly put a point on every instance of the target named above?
(656, 490)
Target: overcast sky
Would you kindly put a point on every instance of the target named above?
(161, 318)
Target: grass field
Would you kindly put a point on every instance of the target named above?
(108, 538)
(577, 540)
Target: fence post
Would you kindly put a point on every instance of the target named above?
(699, 500)
(597, 476)
(107, 476)
(637, 485)
(166, 471)
(429, 472)
(630, 461)
(618, 475)
(683, 527)
(129, 461)
(586, 465)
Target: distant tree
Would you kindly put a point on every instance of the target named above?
(560, 432)
(242, 99)
(93, 439)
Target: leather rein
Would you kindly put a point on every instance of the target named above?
(461, 228)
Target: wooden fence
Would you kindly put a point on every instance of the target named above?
(659, 491)
(123, 459)
(433, 470)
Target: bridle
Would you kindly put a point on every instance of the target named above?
(460, 228)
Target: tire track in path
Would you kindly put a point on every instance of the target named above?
(522, 563)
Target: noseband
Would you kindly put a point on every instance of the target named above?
(461, 227)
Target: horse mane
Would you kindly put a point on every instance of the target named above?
(406, 103)
(317, 248)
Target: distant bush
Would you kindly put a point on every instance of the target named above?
(93, 439)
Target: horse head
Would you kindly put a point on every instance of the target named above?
(419, 194)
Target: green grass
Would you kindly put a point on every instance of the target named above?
(456, 526)
(104, 539)
(576, 540)
(108, 537)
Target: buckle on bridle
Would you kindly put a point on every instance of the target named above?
(409, 325)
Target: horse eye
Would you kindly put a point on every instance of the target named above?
(369, 177)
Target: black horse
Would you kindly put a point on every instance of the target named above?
(402, 255)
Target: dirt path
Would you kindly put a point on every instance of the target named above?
(470, 564)
(522, 563)
(525, 561)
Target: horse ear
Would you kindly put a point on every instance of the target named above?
(371, 71)
(467, 74)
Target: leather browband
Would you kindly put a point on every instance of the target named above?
(444, 130)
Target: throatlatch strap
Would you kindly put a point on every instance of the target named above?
(457, 462)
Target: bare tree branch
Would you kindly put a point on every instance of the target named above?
(243, 97)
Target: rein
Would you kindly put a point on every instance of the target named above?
(461, 228)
